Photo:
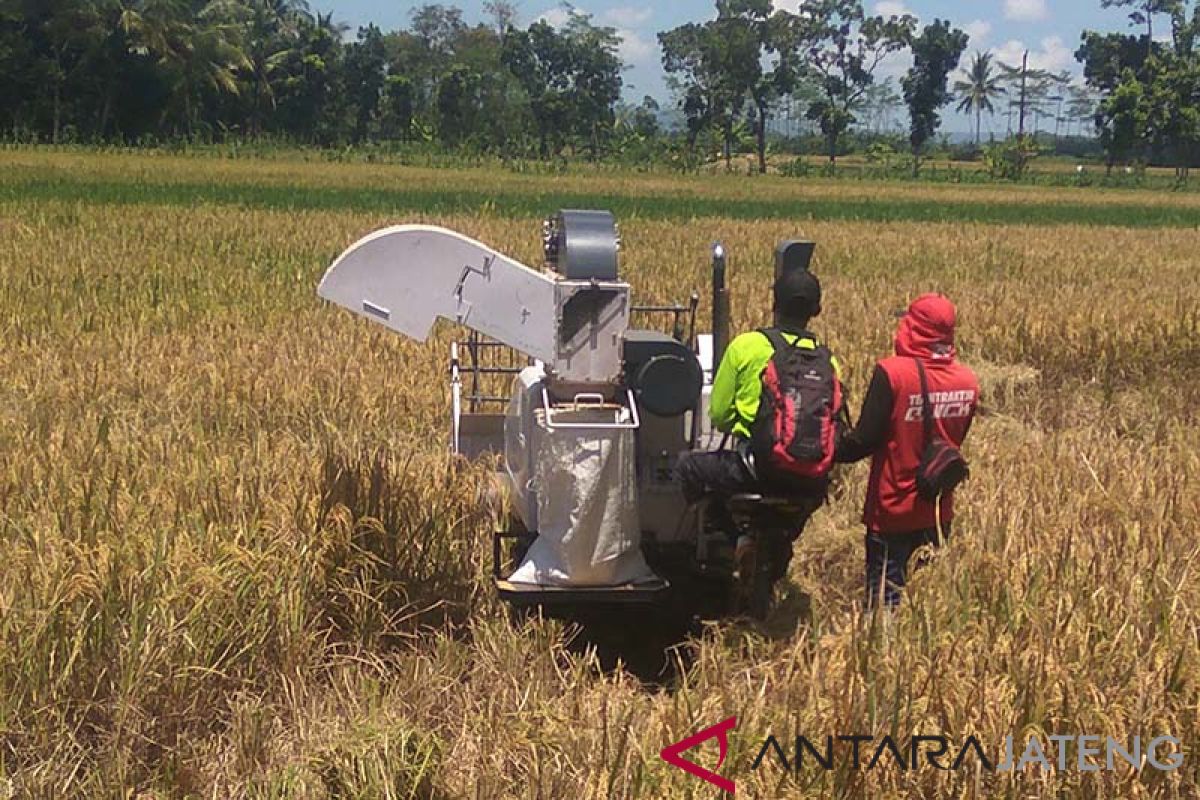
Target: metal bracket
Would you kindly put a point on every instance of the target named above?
(596, 426)
(467, 271)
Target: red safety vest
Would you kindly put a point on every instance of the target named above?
(893, 505)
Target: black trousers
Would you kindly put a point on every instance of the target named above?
(888, 557)
(719, 475)
(723, 473)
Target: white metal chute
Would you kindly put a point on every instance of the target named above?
(406, 276)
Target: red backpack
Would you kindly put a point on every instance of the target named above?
(795, 431)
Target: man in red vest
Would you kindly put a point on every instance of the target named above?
(890, 430)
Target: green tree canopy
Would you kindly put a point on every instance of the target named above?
(936, 52)
(572, 77)
(846, 47)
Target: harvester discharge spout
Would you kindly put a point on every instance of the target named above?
(405, 277)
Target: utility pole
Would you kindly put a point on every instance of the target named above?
(1024, 78)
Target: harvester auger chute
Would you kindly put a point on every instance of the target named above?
(595, 418)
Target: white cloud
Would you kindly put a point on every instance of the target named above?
(636, 49)
(555, 17)
(978, 30)
(628, 16)
(1025, 10)
(891, 8)
(894, 65)
(1053, 54)
(795, 6)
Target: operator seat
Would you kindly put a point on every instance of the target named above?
(747, 507)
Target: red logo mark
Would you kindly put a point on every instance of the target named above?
(720, 732)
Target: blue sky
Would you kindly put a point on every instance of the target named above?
(1048, 28)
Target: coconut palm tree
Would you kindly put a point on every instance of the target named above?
(981, 85)
(208, 56)
(270, 32)
(129, 28)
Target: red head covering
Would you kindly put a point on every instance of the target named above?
(927, 329)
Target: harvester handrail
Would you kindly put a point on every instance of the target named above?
(634, 424)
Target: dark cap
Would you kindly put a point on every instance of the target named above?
(798, 294)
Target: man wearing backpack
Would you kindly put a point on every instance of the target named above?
(915, 416)
(763, 359)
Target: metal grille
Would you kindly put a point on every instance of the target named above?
(486, 366)
(486, 369)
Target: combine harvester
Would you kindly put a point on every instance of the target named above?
(598, 414)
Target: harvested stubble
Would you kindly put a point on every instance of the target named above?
(235, 561)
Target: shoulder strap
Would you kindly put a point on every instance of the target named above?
(780, 342)
(926, 406)
(775, 337)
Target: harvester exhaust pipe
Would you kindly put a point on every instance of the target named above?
(720, 306)
(793, 255)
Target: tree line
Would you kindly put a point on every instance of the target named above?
(215, 70)
(128, 70)
(1150, 84)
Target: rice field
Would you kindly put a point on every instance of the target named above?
(236, 560)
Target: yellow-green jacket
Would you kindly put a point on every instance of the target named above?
(737, 387)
